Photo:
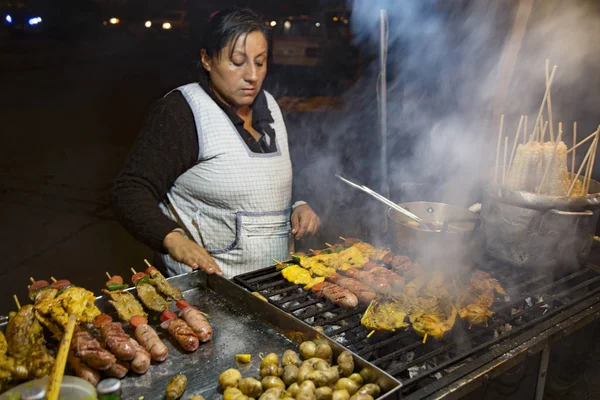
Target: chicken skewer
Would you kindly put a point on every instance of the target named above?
(148, 294)
(122, 300)
(162, 284)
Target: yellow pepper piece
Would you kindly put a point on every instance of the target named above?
(313, 282)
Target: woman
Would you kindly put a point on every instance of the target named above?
(208, 183)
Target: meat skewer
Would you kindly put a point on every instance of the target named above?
(336, 294)
(88, 349)
(141, 361)
(148, 294)
(180, 331)
(363, 292)
(115, 337)
(148, 338)
(196, 320)
(162, 284)
(122, 300)
(118, 370)
(380, 285)
(395, 281)
(82, 370)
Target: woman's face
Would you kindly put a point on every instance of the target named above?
(238, 79)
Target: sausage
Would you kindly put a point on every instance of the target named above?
(60, 285)
(149, 339)
(184, 335)
(118, 341)
(395, 281)
(82, 370)
(141, 361)
(376, 283)
(198, 323)
(336, 294)
(363, 292)
(398, 261)
(89, 350)
(118, 370)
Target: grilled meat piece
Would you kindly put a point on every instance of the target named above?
(475, 314)
(125, 303)
(147, 337)
(117, 370)
(198, 323)
(141, 361)
(385, 314)
(395, 281)
(297, 275)
(39, 361)
(151, 299)
(118, 341)
(378, 284)
(3, 344)
(22, 332)
(10, 369)
(336, 294)
(79, 301)
(52, 326)
(163, 286)
(184, 335)
(86, 347)
(82, 370)
(44, 300)
(363, 292)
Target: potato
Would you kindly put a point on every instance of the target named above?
(290, 374)
(293, 389)
(321, 365)
(324, 393)
(250, 387)
(231, 393)
(345, 362)
(303, 371)
(271, 394)
(370, 389)
(348, 385)
(307, 390)
(290, 357)
(357, 378)
(319, 378)
(270, 382)
(332, 375)
(324, 351)
(197, 397)
(230, 378)
(363, 396)
(308, 349)
(368, 375)
(340, 395)
(270, 358)
(312, 361)
(306, 396)
(270, 370)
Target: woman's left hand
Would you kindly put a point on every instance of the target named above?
(304, 221)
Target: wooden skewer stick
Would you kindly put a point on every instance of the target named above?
(275, 261)
(147, 262)
(549, 101)
(371, 333)
(498, 148)
(328, 245)
(504, 160)
(551, 158)
(343, 238)
(525, 130)
(581, 168)
(61, 359)
(591, 167)
(425, 338)
(133, 270)
(543, 135)
(107, 274)
(548, 85)
(574, 143)
(515, 142)
(17, 301)
(31, 279)
(592, 136)
(53, 279)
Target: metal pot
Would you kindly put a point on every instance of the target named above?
(449, 242)
(536, 231)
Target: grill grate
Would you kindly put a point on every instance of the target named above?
(535, 298)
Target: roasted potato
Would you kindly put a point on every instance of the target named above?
(272, 382)
(290, 374)
(312, 361)
(176, 387)
(319, 378)
(307, 391)
(270, 370)
(308, 349)
(197, 397)
(368, 375)
(333, 375)
(270, 358)
(272, 394)
(370, 389)
(230, 378)
(347, 384)
(359, 396)
(290, 357)
(357, 378)
(345, 363)
(324, 351)
(303, 371)
(340, 395)
(250, 387)
(324, 393)
(232, 393)
(293, 389)
(321, 365)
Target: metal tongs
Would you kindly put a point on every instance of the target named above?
(387, 202)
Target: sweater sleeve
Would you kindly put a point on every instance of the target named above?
(166, 147)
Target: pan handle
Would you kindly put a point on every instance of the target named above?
(586, 213)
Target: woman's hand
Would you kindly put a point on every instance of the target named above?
(188, 252)
(304, 221)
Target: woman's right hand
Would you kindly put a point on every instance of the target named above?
(188, 252)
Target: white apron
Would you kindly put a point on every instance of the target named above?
(233, 202)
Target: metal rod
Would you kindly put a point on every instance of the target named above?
(542, 374)
(383, 102)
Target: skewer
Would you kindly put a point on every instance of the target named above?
(425, 338)
(17, 301)
(328, 245)
(574, 143)
(551, 158)
(549, 102)
(371, 333)
(343, 238)
(147, 263)
(504, 160)
(581, 167)
(275, 261)
(548, 85)
(591, 166)
(498, 148)
(543, 135)
(31, 279)
(514, 147)
(53, 279)
(133, 270)
(591, 136)
(61, 359)
(107, 274)
(525, 131)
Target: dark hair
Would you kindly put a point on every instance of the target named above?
(227, 26)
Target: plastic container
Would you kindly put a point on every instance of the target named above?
(72, 388)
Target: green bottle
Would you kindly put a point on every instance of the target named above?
(109, 389)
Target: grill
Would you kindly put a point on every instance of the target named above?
(538, 300)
